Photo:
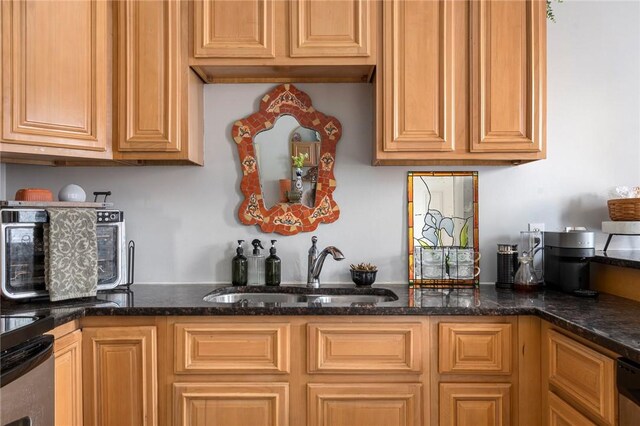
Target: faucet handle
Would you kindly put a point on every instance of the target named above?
(314, 240)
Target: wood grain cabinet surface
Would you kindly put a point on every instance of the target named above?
(284, 40)
(55, 70)
(559, 413)
(461, 82)
(159, 100)
(227, 347)
(581, 376)
(475, 348)
(231, 404)
(120, 376)
(364, 347)
(390, 404)
(478, 404)
(68, 379)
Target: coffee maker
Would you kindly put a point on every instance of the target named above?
(566, 260)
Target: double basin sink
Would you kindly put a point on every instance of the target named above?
(299, 296)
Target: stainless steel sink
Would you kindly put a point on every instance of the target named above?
(297, 296)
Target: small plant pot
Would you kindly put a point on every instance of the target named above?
(363, 278)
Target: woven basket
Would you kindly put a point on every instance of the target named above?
(624, 209)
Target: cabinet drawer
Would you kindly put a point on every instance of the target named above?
(370, 404)
(583, 375)
(471, 348)
(365, 347)
(255, 404)
(226, 348)
(562, 414)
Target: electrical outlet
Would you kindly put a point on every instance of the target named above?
(536, 227)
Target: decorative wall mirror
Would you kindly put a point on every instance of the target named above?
(443, 229)
(281, 196)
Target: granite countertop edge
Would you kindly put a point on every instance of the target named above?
(609, 321)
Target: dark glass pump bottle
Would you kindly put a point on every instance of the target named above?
(273, 266)
(239, 267)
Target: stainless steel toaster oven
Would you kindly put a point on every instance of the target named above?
(22, 251)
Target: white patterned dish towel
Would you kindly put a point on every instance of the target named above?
(71, 253)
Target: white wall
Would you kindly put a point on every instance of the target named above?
(184, 218)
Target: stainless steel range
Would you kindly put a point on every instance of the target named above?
(26, 371)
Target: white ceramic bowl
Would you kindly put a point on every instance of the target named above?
(72, 192)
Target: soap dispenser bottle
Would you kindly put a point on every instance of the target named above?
(272, 266)
(256, 264)
(239, 267)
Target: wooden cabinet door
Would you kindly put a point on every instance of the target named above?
(477, 404)
(420, 68)
(389, 404)
(150, 76)
(231, 404)
(234, 29)
(68, 379)
(508, 68)
(120, 380)
(330, 28)
(54, 74)
(562, 414)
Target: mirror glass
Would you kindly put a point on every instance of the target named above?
(274, 149)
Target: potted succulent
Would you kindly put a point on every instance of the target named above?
(364, 274)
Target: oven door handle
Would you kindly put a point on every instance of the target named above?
(25, 357)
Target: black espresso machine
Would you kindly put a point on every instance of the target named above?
(566, 261)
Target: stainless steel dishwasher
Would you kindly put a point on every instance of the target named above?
(26, 371)
(628, 379)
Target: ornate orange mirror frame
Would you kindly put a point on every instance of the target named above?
(286, 218)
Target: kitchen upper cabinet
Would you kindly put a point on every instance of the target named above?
(234, 29)
(292, 40)
(461, 82)
(120, 380)
(68, 379)
(330, 28)
(508, 70)
(55, 80)
(159, 100)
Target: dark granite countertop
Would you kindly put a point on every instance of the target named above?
(609, 321)
(623, 258)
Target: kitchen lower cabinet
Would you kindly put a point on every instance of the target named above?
(559, 413)
(231, 404)
(68, 379)
(120, 380)
(577, 376)
(478, 404)
(389, 404)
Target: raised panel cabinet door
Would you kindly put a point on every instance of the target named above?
(234, 29)
(508, 75)
(231, 404)
(582, 375)
(370, 404)
(475, 404)
(232, 347)
(330, 28)
(54, 73)
(150, 76)
(562, 414)
(419, 71)
(472, 348)
(366, 347)
(68, 379)
(120, 376)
